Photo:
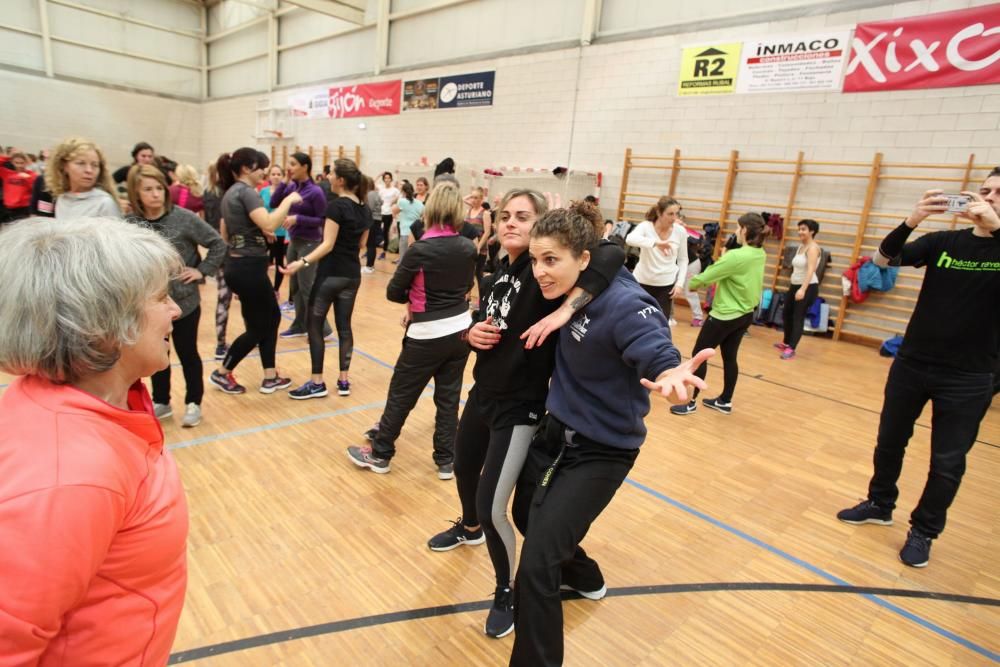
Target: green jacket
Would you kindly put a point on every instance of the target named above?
(739, 278)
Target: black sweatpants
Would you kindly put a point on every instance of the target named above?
(558, 516)
(726, 335)
(960, 400)
(794, 315)
(420, 361)
(185, 337)
(662, 296)
(339, 293)
(247, 278)
(490, 448)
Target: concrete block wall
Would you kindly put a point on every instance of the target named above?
(38, 113)
(582, 108)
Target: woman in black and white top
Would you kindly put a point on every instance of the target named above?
(338, 276)
(246, 221)
(803, 290)
(433, 279)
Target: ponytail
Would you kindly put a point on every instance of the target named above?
(353, 178)
(230, 165)
(755, 230)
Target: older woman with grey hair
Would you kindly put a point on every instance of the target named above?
(88, 493)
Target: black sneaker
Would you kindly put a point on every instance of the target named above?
(456, 536)
(866, 512)
(309, 390)
(917, 550)
(500, 621)
(685, 409)
(716, 404)
(220, 351)
(446, 471)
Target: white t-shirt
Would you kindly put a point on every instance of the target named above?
(657, 268)
(389, 197)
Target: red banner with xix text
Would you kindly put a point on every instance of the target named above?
(960, 48)
(365, 99)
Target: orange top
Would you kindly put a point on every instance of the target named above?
(93, 524)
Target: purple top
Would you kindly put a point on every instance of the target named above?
(310, 213)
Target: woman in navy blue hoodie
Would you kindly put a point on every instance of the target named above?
(508, 399)
(617, 345)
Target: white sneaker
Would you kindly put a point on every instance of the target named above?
(192, 415)
(367, 269)
(672, 322)
(162, 410)
(590, 595)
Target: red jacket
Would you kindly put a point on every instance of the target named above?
(17, 185)
(93, 524)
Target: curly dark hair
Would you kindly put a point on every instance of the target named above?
(578, 227)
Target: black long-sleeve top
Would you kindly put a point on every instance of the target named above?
(515, 302)
(956, 322)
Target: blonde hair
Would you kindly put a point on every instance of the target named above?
(134, 182)
(68, 329)
(187, 176)
(445, 207)
(56, 178)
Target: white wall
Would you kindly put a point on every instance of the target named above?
(39, 113)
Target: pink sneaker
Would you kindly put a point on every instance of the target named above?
(695, 322)
(781, 345)
(788, 353)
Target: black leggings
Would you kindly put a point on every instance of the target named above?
(386, 228)
(277, 250)
(247, 278)
(794, 315)
(185, 337)
(374, 239)
(727, 335)
(489, 455)
(340, 293)
(662, 296)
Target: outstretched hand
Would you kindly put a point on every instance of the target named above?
(674, 384)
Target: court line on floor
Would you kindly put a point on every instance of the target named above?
(201, 652)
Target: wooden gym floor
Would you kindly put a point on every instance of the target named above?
(720, 549)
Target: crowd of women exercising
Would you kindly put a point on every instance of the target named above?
(559, 324)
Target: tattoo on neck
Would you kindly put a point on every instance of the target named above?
(580, 301)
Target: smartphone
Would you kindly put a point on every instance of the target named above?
(958, 203)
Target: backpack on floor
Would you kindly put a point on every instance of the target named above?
(891, 347)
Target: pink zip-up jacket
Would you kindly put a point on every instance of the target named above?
(93, 530)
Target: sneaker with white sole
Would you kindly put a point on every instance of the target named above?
(455, 537)
(162, 410)
(343, 387)
(590, 595)
(500, 620)
(226, 382)
(271, 385)
(192, 415)
(367, 269)
(684, 409)
(716, 404)
(867, 511)
(309, 390)
(917, 550)
(446, 471)
(364, 457)
(221, 351)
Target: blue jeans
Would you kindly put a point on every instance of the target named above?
(960, 400)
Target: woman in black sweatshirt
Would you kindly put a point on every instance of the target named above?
(508, 399)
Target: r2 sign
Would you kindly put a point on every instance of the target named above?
(960, 48)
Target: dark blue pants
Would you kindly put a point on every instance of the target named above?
(959, 400)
